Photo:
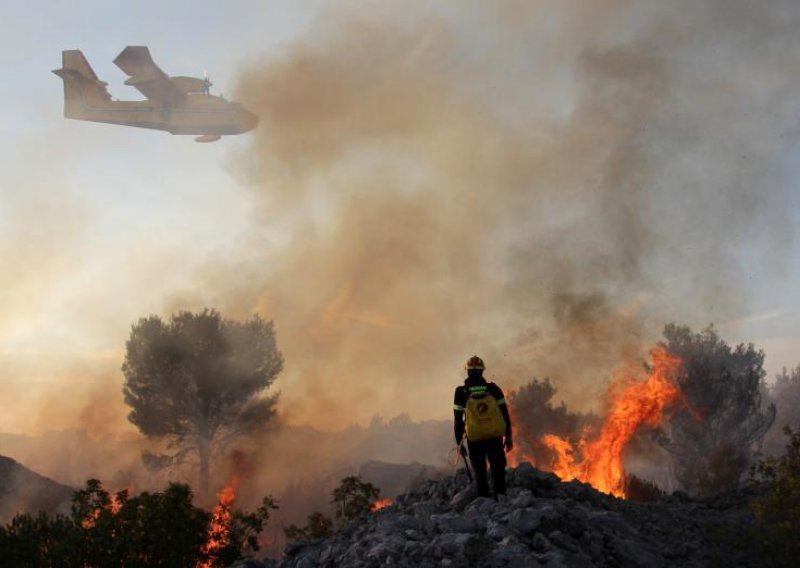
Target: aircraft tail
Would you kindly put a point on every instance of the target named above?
(82, 88)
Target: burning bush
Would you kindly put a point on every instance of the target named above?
(162, 529)
(354, 498)
(533, 414)
(231, 532)
(709, 394)
(634, 401)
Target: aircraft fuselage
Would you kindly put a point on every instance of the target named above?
(198, 114)
(179, 105)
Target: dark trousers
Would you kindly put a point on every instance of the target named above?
(492, 450)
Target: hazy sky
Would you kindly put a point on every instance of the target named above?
(101, 225)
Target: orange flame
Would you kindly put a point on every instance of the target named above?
(381, 504)
(117, 501)
(219, 532)
(89, 522)
(114, 506)
(633, 403)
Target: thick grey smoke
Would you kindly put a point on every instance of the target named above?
(545, 185)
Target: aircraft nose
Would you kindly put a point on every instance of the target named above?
(249, 120)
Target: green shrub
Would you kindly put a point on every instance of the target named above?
(778, 510)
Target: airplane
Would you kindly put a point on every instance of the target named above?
(179, 105)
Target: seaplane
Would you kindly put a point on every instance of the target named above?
(178, 105)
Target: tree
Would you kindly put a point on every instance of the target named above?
(354, 498)
(714, 437)
(195, 382)
(227, 541)
(785, 394)
(149, 530)
(778, 510)
(351, 499)
(319, 526)
(534, 415)
(41, 541)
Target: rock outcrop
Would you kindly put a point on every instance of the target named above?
(542, 522)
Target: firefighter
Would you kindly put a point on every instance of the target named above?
(481, 413)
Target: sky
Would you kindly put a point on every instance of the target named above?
(349, 215)
(100, 225)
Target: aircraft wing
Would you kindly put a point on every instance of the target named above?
(152, 82)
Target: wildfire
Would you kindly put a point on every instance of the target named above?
(219, 533)
(634, 402)
(118, 499)
(89, 522)
(114, 506)
(381, 504)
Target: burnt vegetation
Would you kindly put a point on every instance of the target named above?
(711, 439)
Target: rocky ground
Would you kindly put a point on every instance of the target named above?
(543, 522)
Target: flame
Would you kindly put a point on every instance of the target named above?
(89, 522)
(634, 402)
(114, 506)
(219, 532)
(382, 504)
(117, 501)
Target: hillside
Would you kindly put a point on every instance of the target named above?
(24, 491)
(544, 522)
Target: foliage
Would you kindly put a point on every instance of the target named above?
(351, 499)
(242, 534)
(158, 529)
(354, 498)
(642, 490)
(785, 394)
(32, 542)
(778, 511)
(162, 529)
(713, 438)
(319, 526)
(194, 381)
(533, 414)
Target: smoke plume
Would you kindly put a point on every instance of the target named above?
(545, 185)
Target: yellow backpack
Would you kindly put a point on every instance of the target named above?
(484, 419)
